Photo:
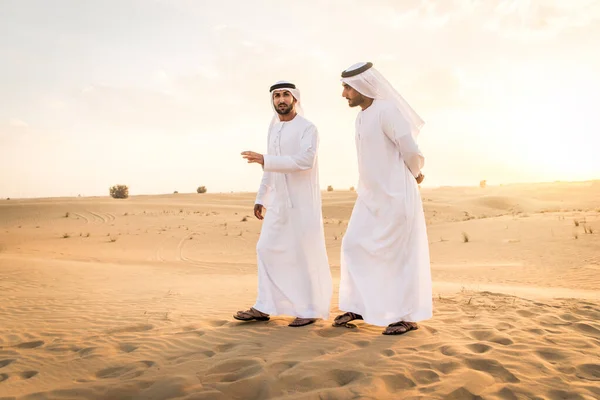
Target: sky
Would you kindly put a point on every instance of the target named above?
(165, 95)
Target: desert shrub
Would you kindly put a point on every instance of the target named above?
(201, 189)
(119, 192)
(352, 188)
(482, 184)
(330, 188)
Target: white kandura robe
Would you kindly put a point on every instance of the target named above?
(385, 266)
(293, 268)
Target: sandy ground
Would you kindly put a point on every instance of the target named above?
(132, 299)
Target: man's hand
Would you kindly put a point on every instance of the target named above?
(258, 210)
(420, 178)
(253, 157)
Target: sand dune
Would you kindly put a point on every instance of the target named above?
(132, 299)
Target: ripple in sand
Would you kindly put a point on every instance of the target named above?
(563, 394)
(328, 333)
(132, 329)
(551, 354)
(232, 365)
(462, 394)
(3, 377)
(4, 363)
(218, 323)
(127, 371)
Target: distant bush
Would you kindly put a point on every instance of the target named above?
(175, 192)
(482, 184)
(352, 188)
(330, 188)
(119, 192)
(201, 189)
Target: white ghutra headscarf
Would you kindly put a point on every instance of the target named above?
(369, 82)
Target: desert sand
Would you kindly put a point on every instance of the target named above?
(133, 299)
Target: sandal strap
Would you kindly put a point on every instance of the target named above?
(405, 324)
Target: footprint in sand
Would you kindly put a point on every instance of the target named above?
(86, 352)
(388, 353)
(127, 347)
(590, 372)
(450, 350)
(330, 333)
(30, 345)
(28, 374)
(492, 367)
(362, 343)
(4, 363)
(426, 376)
(3, 377)
(398, 382)
(279, 367)
(479, 348)
(588, 330)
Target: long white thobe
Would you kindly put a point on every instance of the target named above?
(293, 268)
(385, 266)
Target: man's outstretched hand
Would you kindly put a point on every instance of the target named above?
(420, 178)
(253, 157)
(258, 210)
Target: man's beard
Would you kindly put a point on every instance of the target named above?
(357, 101)
(285, 111)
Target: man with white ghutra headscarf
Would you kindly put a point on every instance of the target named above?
(385, 268)
(293, 267)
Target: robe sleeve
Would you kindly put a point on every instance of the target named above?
(396, 128)
(266, 184)
(301, 161)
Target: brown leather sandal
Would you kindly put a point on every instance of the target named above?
(251, 315)
(302, 322)
(400, 328)
(343, 319)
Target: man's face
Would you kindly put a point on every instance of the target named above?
(354, 98)
(283, 101)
